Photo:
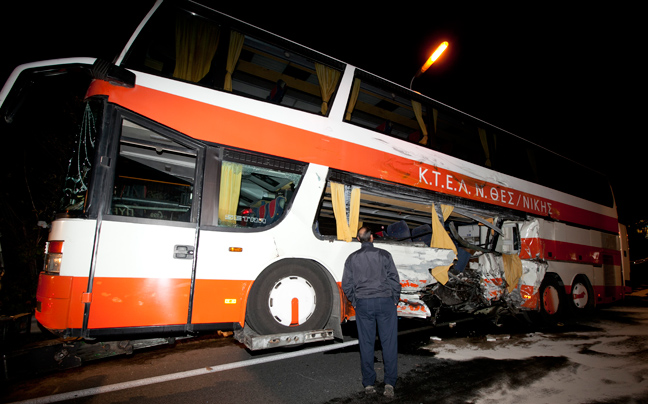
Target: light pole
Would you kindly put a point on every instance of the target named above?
(435, 55)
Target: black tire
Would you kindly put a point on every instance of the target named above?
(582, 296)
(271, 304)
(552, 300)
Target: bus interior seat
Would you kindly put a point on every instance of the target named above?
(270, 210)
(414, 137)
(278, 92)
(463, 257)
(385, 127)
(422, 233)
(399, 231)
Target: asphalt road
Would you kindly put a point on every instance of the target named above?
(599, 359)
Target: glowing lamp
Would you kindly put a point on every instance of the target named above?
(435, 55)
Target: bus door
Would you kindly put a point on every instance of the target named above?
(147, 239)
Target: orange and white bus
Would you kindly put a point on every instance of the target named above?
(221, 173)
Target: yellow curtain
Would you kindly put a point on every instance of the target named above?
(441, 239)
(233, 53)
(354, 212)
(484, 142)
(230, 189)
(196, 43)
(446, 210)
(328, 80)
(512, 270)
(353, 99)
(418, 112)
(346, 229)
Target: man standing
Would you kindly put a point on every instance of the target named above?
(372, 285)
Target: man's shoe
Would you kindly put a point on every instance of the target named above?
(389, 390)
(370, 390)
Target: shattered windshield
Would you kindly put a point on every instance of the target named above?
(75, 188)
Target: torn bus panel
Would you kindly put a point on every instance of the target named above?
(491, 271)
(532, 246)
(519, 291)
(411, 305)
(484, 283)
(533, 272)
(484, 275)
(414, 268)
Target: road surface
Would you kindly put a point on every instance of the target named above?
(599, 359)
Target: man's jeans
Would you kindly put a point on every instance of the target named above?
(371, 313)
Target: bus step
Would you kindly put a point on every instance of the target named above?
(254, 341)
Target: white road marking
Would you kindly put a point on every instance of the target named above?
(191, 373)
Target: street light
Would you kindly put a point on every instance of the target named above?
(435, 55)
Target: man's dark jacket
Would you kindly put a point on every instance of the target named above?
(370, 272)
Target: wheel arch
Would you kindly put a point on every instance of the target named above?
(557, 278)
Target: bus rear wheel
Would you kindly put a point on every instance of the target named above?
(289, 296)
(552, 300)
(582, 296)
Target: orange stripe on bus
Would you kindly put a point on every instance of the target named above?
(236, 129)
(139, 302)
(60, 299)
(220, 301)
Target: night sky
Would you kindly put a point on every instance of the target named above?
(567, 79)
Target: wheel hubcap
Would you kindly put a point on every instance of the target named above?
(550, 300)
(580, 295)
(292, 301)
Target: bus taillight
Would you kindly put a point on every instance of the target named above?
(53, 256)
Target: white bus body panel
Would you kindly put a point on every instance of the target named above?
(78, 239)
(136, 250)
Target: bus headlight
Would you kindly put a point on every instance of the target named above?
(53, 257)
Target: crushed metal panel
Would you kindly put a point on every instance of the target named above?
(533, 272)
(414, 265)
(494, 283)
(411, 305)
(532, 246)
(491, 271)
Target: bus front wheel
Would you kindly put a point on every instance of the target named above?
(289, 296)
(552, 300)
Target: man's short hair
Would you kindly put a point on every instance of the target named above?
(364, 234)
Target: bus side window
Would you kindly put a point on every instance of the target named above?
(393, 217)
(253, 196)
(154, 176)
